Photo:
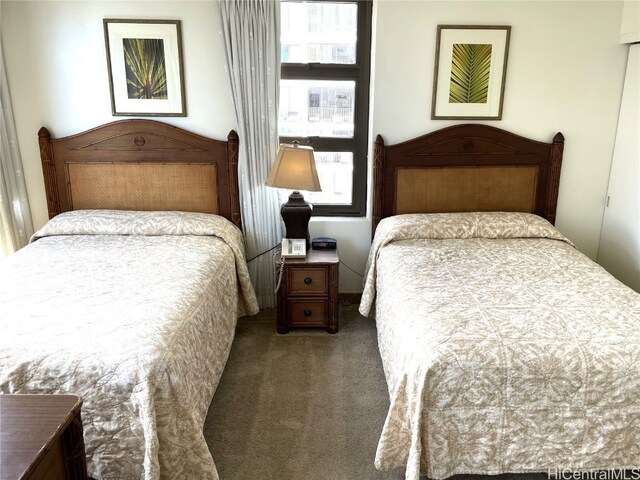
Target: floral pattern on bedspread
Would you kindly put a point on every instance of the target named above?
(135, 315)
(122, 222)
(512, 353)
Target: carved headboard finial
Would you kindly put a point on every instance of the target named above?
(558, 138)
(553, 183)
(44, 133)
(233, 136)
(378, 183)
(49, 172)
(232, 145)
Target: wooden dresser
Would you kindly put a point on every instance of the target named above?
(41, 438)
(308, 294)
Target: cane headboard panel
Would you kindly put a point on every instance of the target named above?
(467, 168)
(141, 165)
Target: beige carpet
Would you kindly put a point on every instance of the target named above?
(302, 406)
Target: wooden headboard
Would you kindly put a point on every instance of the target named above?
(141, 165)
(466, 168)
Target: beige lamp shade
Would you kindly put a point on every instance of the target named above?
(294, 168)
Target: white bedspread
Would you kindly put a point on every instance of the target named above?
(135, 313)
(504, 348)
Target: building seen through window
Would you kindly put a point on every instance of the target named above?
(316, 108)
(318, 33)
(324, 95)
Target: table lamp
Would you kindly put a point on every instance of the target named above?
(295, 168)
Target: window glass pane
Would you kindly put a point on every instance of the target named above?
(335, 172)
(318, 32)
(310, 108)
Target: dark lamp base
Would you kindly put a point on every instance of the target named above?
(296, 214)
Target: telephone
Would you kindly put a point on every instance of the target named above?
(294, 248)
(291, 248)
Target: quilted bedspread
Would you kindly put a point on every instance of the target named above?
(505, 349)
(135, 313)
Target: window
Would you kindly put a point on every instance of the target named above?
(324, 95)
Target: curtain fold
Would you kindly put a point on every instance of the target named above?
(15, 216)
(252, 45)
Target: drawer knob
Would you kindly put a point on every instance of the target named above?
(307, 312)
(307, 280)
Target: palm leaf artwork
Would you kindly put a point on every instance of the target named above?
(145, 68)
(470, 69)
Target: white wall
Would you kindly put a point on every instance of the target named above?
(630, 25)
(565, 73)
(57, 68)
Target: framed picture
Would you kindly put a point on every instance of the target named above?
(145, 67)
(470, 71)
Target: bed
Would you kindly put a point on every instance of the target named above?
(129, 295)
(504, 348)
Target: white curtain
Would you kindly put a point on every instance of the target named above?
(15, 216)
(251, 30)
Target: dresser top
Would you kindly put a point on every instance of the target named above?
(29, 426)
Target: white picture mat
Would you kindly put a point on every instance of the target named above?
(169, 34)
(449, 37)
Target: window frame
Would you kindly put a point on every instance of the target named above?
(360, 73)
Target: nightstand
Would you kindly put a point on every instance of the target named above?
(308, 295)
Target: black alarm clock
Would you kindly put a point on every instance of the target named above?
(324, 243)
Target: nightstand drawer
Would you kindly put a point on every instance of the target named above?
(307, 281)
(307, 313)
